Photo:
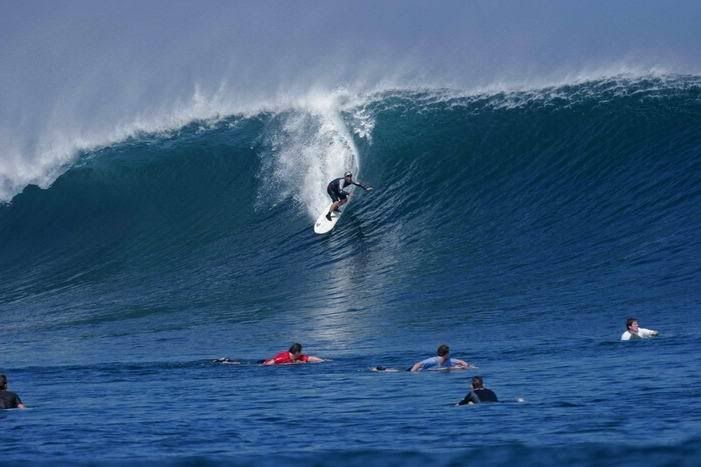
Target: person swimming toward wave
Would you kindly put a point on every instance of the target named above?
(337, 193)
(291, 356)
(442, 360)
(9, 399)
(633, 331)
(479, 393)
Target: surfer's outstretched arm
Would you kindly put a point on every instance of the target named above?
(366, 188)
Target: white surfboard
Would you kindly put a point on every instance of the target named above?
(322, 224)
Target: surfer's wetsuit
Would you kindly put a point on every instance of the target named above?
(335, 190)
(9, 400)
(479, 395)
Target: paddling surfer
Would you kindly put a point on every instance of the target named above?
(442, 360)
(291, 356)
(478, 393)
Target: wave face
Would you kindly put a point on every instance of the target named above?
(559, 193)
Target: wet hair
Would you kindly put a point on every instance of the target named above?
(296, 347)
(630, 321)
(477, 382)
(3, 382)
(443, 350)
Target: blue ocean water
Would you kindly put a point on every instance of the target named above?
(521, 228)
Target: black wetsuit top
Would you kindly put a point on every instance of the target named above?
(9, 400)
(479, 395)
(336, 192)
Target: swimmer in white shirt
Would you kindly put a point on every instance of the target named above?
(633, 331)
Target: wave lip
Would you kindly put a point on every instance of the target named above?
(54, 143)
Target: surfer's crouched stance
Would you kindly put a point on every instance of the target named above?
(338, 195)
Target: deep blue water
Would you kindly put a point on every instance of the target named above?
(520, 228)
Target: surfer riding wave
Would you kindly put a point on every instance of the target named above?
(337, 193)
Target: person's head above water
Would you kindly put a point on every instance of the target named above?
(295, 348)
(348, 175)
(3, 382)
(477, 382)
(634, 331)
(441, 361)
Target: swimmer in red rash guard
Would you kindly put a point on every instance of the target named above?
(294, 355)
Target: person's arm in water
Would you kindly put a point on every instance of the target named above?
(279, 359)
(312, 359)
(471, 398)
(457, 363)
(418, 366)
(19, 403)
(647, 332)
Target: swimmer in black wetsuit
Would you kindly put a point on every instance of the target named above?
(8, 399)
(337, 193)
(479, 393)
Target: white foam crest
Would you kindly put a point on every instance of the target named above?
(311, 147)
(53, 147)
(41, 160)
(618, 81)
(562, 78)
